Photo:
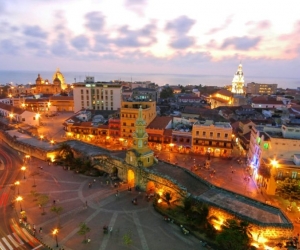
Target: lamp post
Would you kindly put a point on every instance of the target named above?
(17, 183)
(171, 146)
(23, 169)
(19, 199)
(11, 117)
(55, 232)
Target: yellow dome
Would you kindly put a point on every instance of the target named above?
(58, 75)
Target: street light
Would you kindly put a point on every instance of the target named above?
(171, 146)
(55, 232)
(19, 199)
(23, 169)
(17, 183)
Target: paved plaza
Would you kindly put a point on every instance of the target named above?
(146, 228)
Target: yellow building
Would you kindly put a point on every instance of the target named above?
(129, 113)
(61, 103)
(213, 138)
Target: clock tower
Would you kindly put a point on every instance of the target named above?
(140, 154)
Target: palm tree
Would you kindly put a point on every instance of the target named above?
(65, 152)
(83, 230)
(57, 211)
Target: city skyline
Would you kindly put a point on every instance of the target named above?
(139, 36)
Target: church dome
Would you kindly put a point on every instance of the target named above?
(39, 78)
(56, 80)
(58, 75)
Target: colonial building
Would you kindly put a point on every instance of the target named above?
(261, 88)
(129, 113)
(96, 95)
(272, 143)
(269, 102)
(158, 139)
(19, 115)
(61, 103)
(213, 138)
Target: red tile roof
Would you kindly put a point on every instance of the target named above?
(160, 122)
(11, 109)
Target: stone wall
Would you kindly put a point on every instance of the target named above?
(23, 147)
(258, 232)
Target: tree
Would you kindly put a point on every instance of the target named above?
(167, 197)
(127, 239)
(34, 194)
(166, 93)
(234, 235)
(65, 152)
(264, 171)
(83, 230)
(43, 199)
(57, 211)
(289, 189)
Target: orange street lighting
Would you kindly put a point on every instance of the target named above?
(55, 232)
(23, 168)
(52, 141)
(17, 183)
(42, 137)
(274, 163)
(19, 199)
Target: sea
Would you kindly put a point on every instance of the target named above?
(24, 77)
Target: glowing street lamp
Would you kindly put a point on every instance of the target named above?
(17, 183)
(55, 232)
(23, 168)
(11, 116)
(171, 146)
(19, 199)
(274, 163)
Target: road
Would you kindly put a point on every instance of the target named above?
(12, 236)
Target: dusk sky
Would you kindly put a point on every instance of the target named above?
(205, 37)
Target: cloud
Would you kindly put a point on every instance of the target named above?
(182, 42)
(101, 43)
(95, 21)
(261, 25)
(241, 43)
(180, 25)
(80, 42)
(60, 48)
(7, 46)
(136, 6)
(135, 38)
(34, 31)
(227, 22)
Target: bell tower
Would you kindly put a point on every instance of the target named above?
(140, 154)
(238, 81)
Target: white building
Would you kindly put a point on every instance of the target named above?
(96, 95)
(238, 81)
(14, 114)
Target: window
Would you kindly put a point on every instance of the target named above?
(82, 97)
(211, 134)
(218, 135)
(204, 133)
(226, 135)
(148, 159)
(294, 175)
(87, 91)
(132, 124)
(124, 123)
(197, 133)
(111, 92)
(81, 91)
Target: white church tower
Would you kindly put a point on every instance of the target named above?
(238, 81)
